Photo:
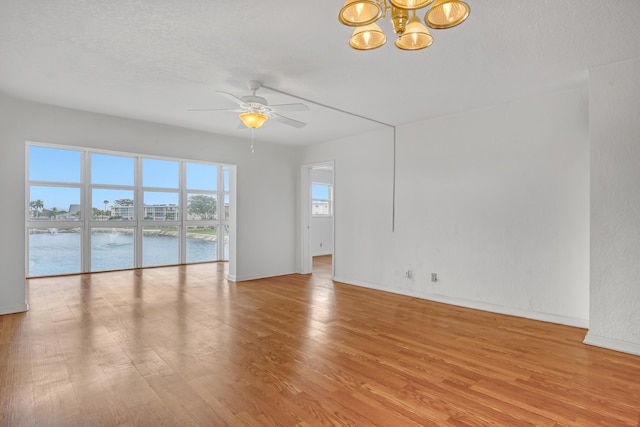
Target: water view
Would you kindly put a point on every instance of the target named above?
(53, 251)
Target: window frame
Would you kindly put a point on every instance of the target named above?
(85, 223)
(329, 200)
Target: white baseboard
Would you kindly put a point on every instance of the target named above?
(512, 311)
(256, 277)
(477, 305)
(612, 344)
(14, 309)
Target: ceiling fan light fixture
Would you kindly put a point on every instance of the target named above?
(360, 12)
(415, 37)
(367, 37)
(252, 119)
(446, 14)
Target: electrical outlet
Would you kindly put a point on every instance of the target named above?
(320, 244)
(408, 274)
(434, 277)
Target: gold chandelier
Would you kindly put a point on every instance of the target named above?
(412, 34)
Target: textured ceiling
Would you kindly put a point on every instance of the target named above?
(153, 60)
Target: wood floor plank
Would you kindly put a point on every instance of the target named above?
(181, 346)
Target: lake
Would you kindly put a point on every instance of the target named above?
(59, 252)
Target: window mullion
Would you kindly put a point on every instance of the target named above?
(86, 210)
(220, 214)
(183, 212)
(139, 204)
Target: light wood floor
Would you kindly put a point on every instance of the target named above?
(182, 346)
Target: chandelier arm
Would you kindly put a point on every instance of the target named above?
(386, 7)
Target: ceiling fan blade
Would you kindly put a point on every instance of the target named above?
(218, 109)
(288, 121)
(232, 98)
(289, 107)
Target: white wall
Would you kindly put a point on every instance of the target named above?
(362, 204)
(495, 201)
(614, 116)
(321, 236)
(265, 242)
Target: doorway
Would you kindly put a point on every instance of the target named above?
(318, 215)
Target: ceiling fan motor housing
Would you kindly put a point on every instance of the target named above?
(253, 99)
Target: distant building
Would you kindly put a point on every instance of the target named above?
(124, 212)
(74, 210)
(161, 212)
(151, 212)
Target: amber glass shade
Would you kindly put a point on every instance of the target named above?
(360, 12)
(415, 37)
(446, 13)
(253, 120)
(410, 4)
(367, 37)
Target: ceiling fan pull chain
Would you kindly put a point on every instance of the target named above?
(253, 150)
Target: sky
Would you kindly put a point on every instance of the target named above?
(64, 166)
(320, 191)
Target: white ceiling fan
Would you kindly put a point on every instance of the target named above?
(255, 110)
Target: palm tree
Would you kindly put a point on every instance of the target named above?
(36, 205)
(105, 207)
(32, 206)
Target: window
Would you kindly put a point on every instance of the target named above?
(321, 196)
(54, 211)
(96, 211)
(207, 185)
